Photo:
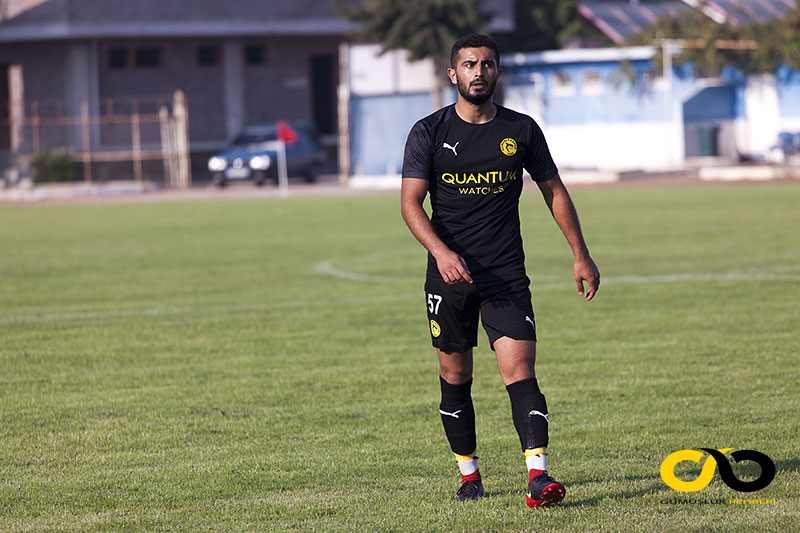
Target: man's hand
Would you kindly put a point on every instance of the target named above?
(452, 267)
(586, 270)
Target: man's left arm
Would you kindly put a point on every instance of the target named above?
(560, 204)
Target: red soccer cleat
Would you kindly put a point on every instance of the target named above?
(544, 491)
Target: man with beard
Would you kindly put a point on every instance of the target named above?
(469, 157)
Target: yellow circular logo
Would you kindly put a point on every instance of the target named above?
(706, 474)
(435, 329)
(508, 146)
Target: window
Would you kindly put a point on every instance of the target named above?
(591, 82)
(254, 55)
(117, 58)
(148, 57)
(208, 56)
(562, 84)
(246, 139)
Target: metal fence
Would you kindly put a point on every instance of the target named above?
(130, 132)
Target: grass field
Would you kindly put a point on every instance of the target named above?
(264, 365)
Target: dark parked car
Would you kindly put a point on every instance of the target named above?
(252, 155)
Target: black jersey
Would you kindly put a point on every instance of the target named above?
(475, 181)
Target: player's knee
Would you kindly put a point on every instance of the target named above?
(517, 374)
(455, 368)
(456, 376)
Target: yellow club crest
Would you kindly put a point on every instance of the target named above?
(435, 329)
(508, 146)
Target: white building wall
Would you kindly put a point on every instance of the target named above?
(728, 142)
(526, 99)
(762, 115)
(642, 141)
(373, 73)
(621, 146)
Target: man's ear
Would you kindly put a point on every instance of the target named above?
(452, 75)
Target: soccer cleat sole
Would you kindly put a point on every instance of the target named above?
(551, 495)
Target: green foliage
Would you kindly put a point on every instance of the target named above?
(188, 366)
(426, 28)
(55, 166)
(429, 27)
(790, 34)
(778, 42)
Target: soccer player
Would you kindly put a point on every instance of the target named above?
(469, 157)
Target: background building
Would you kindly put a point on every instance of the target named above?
(616, 108)
(239, 62)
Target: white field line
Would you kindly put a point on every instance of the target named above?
(702, 276)
(326, 268)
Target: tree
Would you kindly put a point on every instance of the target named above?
(548, 25)
(426, 28)
(710, 46)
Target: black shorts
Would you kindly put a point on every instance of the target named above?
(505, 311)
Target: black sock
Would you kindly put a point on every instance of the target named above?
(458, 416)
(529, 411)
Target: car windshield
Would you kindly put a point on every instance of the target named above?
(245, 139)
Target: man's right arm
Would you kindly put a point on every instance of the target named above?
(451, 266)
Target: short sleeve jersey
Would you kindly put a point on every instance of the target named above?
(475, 181)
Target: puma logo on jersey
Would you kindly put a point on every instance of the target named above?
(529, 319)
(453, 148)
(454, 414)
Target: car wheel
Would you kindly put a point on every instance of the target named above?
(311, 175)
(219, 180)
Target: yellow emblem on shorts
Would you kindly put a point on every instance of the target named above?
(435, 329)
(508, 146)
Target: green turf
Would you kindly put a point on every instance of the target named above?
(264, 365)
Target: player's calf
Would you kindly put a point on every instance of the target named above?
(531, 420)
(458, 419)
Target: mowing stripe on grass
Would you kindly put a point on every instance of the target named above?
(326, 268)
(157, 311)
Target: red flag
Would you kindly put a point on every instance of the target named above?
(286, 133)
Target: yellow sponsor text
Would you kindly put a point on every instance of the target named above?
(752, 501)
(481, 190)
(489, 177)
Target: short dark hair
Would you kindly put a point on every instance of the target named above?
(474, 40)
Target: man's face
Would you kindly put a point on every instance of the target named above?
(476, 74)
